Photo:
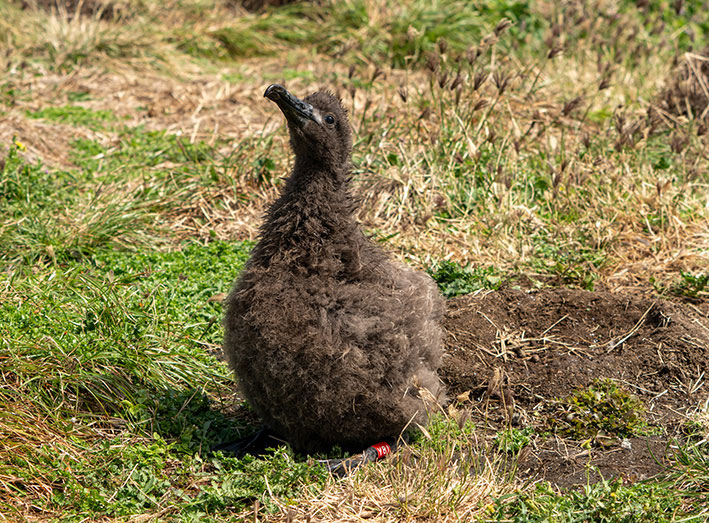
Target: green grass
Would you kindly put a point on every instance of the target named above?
(139, 148)
(124, 342)
(468, 152)
(60, 215)
(120, 319)
(75, 115)
(602, 502)
(357, 29)
(115, 194)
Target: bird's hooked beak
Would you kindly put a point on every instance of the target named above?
(296, 111)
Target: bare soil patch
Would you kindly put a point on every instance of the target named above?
(519, 352)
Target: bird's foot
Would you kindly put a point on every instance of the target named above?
(257, 443)
(344, 467)
(254, 444)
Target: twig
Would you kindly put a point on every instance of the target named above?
(555, 324)
(614, 344)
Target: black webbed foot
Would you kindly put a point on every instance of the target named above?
(254, 444)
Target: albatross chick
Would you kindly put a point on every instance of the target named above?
(331, 340)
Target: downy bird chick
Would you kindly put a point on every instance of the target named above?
(331, 341)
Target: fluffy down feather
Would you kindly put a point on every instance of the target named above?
(329, 338)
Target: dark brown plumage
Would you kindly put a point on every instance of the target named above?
(329, 338)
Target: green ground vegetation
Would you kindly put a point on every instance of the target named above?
(602, 409)
(493, 139)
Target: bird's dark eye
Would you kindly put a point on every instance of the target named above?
(329, 119)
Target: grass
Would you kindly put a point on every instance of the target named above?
(46, 215)
(493, 141)
(604, 502)
(75, 115)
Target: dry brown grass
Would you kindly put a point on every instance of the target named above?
(29, 433)
(451, 480)
(401, 201)
(687, 90)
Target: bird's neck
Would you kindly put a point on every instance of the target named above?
(312, 169)
(315, 208)
(309, 179)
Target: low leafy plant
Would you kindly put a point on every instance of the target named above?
(573, 266)
(603, 408)
(512, 440)
(454, 279)
(241, 481)
(690, 285)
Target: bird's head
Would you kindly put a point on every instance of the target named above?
(319, 131)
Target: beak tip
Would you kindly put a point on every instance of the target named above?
(274, 91)
(295, 110)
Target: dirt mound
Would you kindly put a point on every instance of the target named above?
(518, 352)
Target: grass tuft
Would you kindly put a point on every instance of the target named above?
(75, 115)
